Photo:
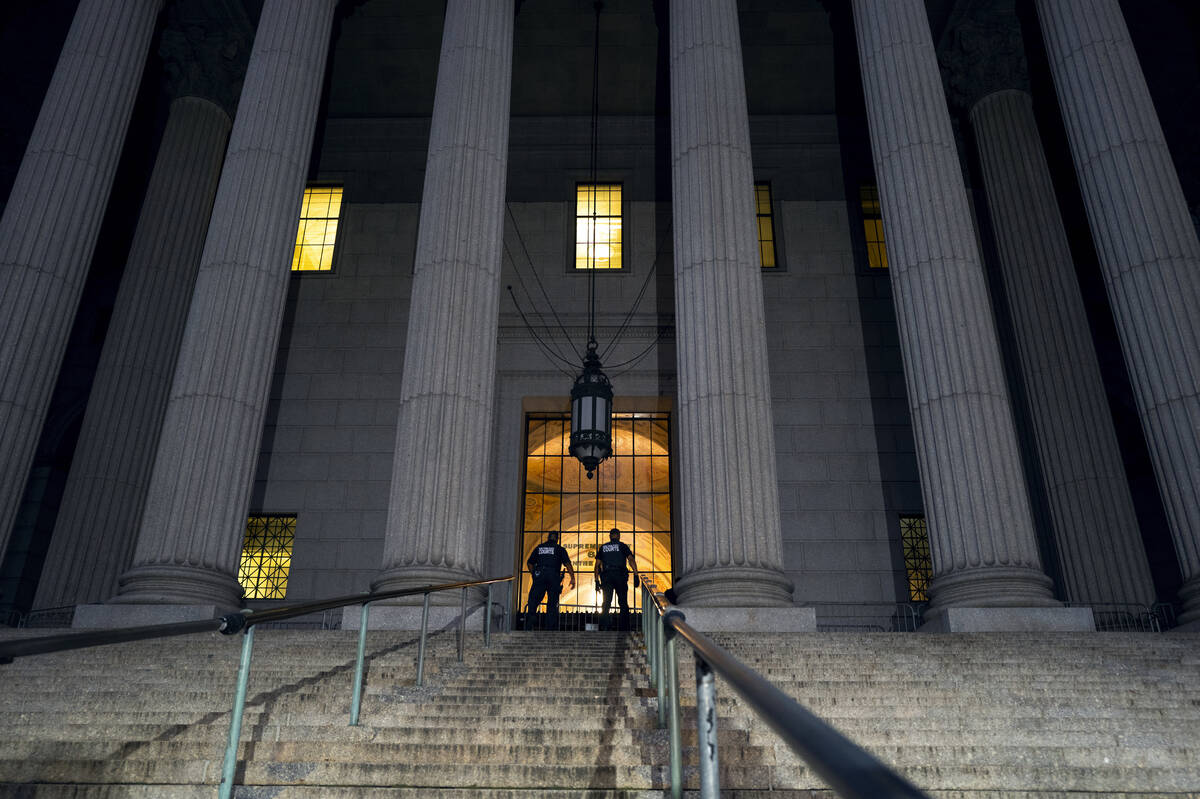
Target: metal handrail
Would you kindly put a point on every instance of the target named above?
(232, 623)
(846, 767)
(228, 624)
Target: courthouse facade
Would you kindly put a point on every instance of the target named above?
(871, 280)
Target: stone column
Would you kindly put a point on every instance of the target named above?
(1147, 246)
(981, 532)
(102, 503)
(437, 509)
(195, 516)
(1095, 526)
(730, 541)
(53, 216)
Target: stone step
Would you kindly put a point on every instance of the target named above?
(460, 775)
(324, 792)
(337, 730)
(258, 717)
(361, 792)
(585, 752)
(513, 732)
(972, 717)
(452, 707)
(497, 749)
(993, 777)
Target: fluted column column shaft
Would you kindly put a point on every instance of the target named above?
(49, 227)
(102, 503)
(730, 539)
(1147, 246)
(980, 526)
(1100, 549)
(438, 503)
(195, 515)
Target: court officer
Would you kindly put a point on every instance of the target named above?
(544, 563)
(613, 576)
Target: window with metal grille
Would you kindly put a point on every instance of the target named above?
(598, 226)
(631, 491)
(766, 226)
(267, 556)
(914, 540)
(319, 213)
(873, 227)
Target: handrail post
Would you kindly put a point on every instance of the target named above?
(462, 626)
(706, 729)
(508, 614)
(356, 702)
(235, 720)
(652, 652)
(421, 647)
(487, 620)
(661, 682)
(672, 665)
(645, 617)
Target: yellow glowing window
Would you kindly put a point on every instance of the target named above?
(267, 556)
(598, 226)
(630, 491)
(914, 540)
(319, 213)
(873, 227)
(766, 225)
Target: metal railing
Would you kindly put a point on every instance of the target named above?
(60, 616)
(847, 768)
(247, 621)
(579, 617)
(1118, 617)
(869, 617)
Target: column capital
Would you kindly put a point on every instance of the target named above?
(205, 47)
(982, 52)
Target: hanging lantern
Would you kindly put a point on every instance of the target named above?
(591, 414)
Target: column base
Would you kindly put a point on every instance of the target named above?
(751, 620)
(402, 577)
(734, 587)
(992, 587)
(164, 584)
(90, 617)
(1008, 620)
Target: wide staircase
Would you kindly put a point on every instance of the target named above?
(571, 714)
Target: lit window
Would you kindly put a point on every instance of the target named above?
(766, 225)
(914, 540)
(873, 227)
(267, 556)
(598, 225)
(319, 213)
(631, 491)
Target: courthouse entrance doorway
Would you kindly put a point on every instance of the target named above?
(631, 491)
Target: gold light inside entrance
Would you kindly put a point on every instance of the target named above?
(632, 493)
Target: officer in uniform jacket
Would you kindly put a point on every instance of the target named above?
(544, 563)
(613, 576)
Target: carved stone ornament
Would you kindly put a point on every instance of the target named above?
(982, 52)
(205, 47)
